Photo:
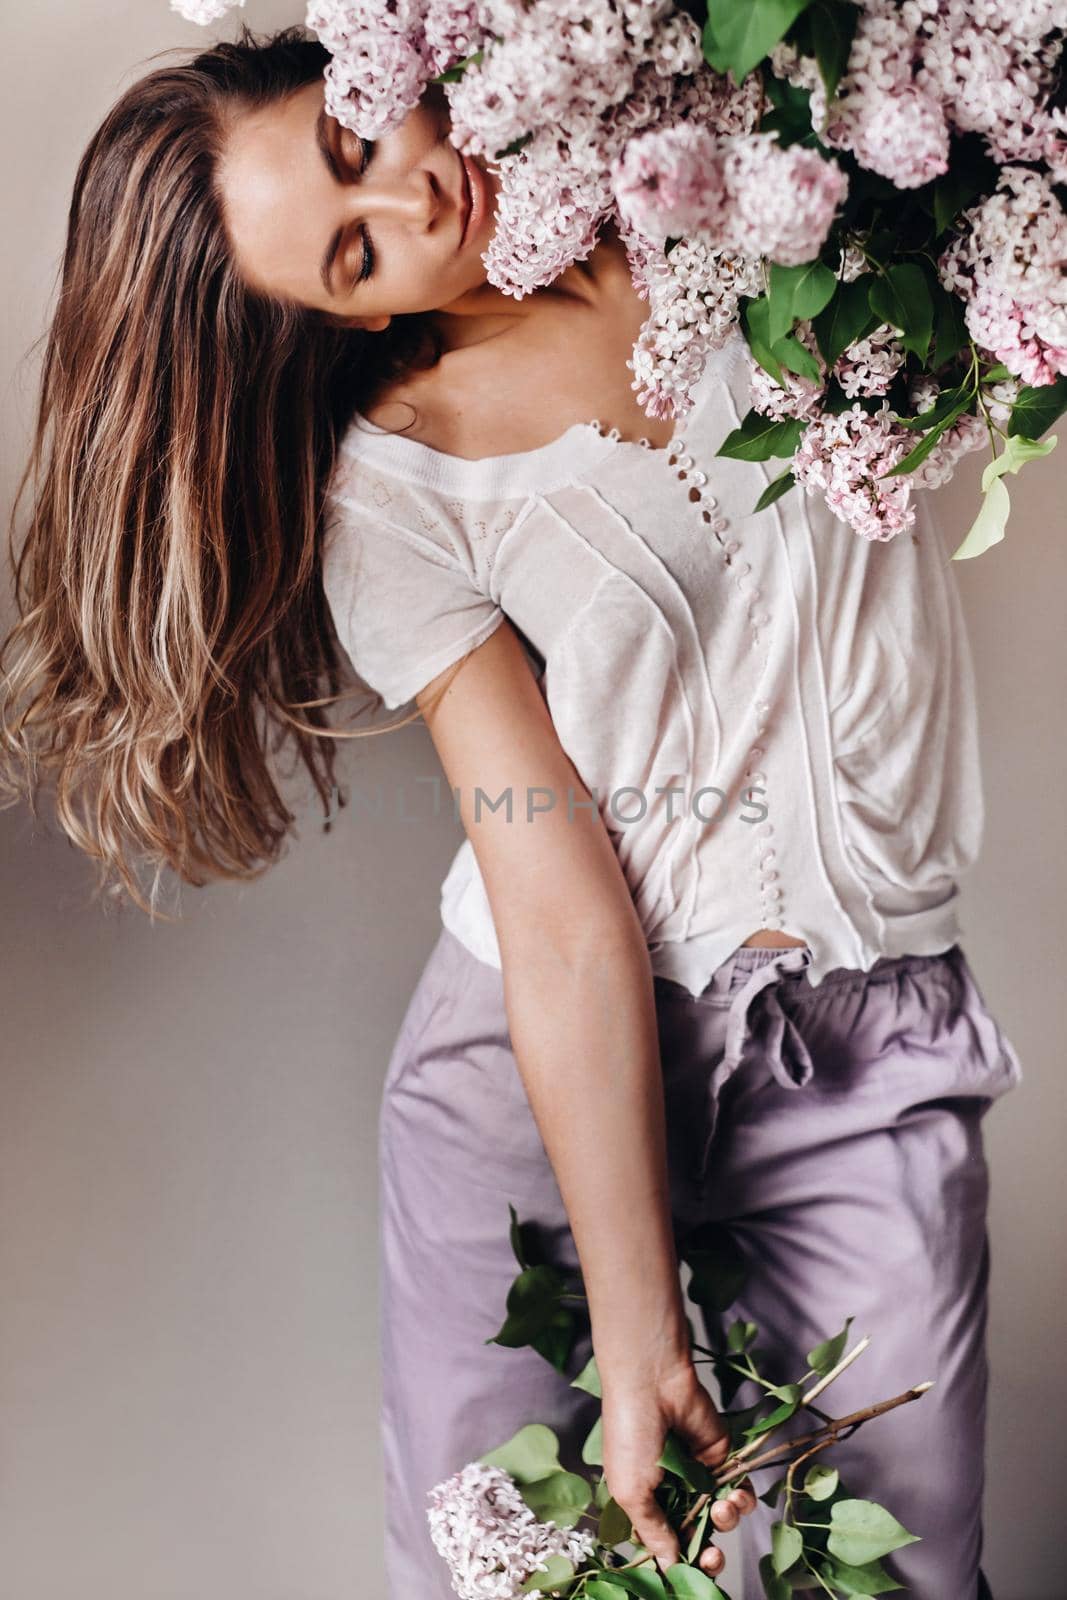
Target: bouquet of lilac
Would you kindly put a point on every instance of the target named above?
(507, 1524)
(874, 189)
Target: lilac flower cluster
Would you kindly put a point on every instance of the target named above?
(490, 1538)
(922, 69)
(743, 191)
(590, 111)
(1010, 267)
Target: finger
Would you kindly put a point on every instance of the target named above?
(744, 1499)
(712, 1560)
(653, 1530)
(725, 1515)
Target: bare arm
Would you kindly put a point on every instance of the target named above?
(581, 1013)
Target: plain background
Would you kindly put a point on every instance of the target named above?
(188, 1358)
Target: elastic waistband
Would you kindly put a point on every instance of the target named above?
(735, 971)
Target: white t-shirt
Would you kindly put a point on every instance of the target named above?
(775, 716)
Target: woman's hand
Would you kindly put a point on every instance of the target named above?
(638, 1408)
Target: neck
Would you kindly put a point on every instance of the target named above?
(485, 312)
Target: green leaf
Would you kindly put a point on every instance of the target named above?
(774, 1587)
(781, 1413)
(971, 173)
(589, 1379)
(556, 1571)
(792, 354)
(774, 491)
(950, 325)
(902, 299)
(677, 1459)
(797, 293)
(791, 118)
(1036, 409)
(529, 1455)
(848, 317)
(755, 324)
(689, 1583)
(559, 1498)
(593, 1448)
(1016, 453)
(645, 1582)
(915, 457)
(787, 1543)
(820, 1482)
(532, 1303)
(872, 1578)
(825, 1356)
(945, 402)
(717, 1265)
(746, 33)
(614, 1526)
(987, 529)
(862, 1531)
(740, 1335)
(996, 374)
(696, 1539)
(515, 1234)
(759, 437)
(833, 28)
(455, 73)
(716, 56)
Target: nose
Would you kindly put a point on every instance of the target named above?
(414, 201)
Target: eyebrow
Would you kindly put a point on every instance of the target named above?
(322, 139)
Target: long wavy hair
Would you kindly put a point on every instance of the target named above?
(172, 633)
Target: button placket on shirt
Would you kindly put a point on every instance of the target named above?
(772, 909)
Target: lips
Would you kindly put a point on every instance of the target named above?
(466, 199)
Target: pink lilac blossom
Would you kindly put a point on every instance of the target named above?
(742, 192)
(694, 296)
(781, 201)
(966, 433)
(919, 69)
(796, 396)
(380, 62)
(1009, 266)
(490, 1538)
(869, 365)
(842, 458)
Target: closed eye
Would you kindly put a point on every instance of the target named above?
(324, 124)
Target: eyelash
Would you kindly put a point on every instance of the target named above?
(367, 264)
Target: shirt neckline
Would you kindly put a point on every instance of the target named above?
(578, 448)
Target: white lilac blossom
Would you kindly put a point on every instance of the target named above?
(1009, 266)
(203, 11)
(868, 366)
(490, 1538)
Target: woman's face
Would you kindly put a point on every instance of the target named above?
(317, 216)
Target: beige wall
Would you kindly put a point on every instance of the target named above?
(188, 1362)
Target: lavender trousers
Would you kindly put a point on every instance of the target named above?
(836, 1129)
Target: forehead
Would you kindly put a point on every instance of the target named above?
(270, 171)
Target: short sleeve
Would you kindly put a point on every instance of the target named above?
(404, 607)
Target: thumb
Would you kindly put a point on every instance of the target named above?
(705, 1432)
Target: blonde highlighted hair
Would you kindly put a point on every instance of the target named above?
(173, 634)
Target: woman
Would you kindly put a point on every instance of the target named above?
(718, 773)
